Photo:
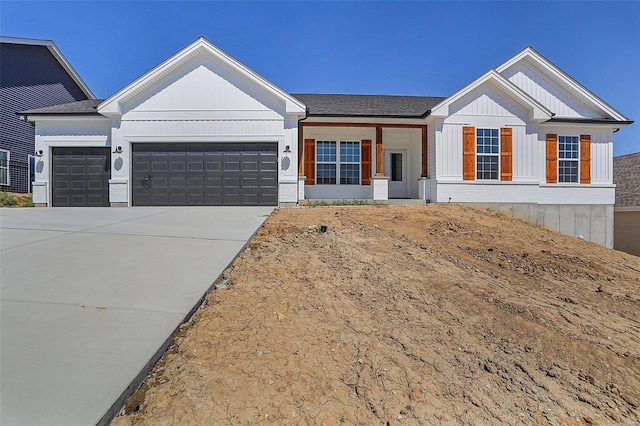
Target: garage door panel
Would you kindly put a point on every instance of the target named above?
(81, 176)
(205, 174)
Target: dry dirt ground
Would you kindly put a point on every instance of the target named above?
(436, 314)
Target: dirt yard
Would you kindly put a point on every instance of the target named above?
(436, 314)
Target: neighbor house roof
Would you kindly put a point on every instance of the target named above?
(626, 176)
(368, 105)
(86, 107)
(57, 54)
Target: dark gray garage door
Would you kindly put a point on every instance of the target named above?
(80, 177)
(208, 174)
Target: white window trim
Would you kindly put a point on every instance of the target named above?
(8, 184)
(497, 179)
(339, 161)
(576, 160)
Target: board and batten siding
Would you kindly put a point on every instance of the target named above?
(204, 85)
(545, 91)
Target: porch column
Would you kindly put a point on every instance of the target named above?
(300, 151)
(425, 153)
(379, 162)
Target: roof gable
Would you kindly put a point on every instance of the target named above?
(542, 80)
(532, 108)
(199, 52)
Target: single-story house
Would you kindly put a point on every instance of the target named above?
(203, 129)
(33, 74)
(626, 212)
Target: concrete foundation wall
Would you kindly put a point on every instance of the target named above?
(592, 222)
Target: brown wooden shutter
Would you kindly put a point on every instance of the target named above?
(506, 154)
(468, 153)
(365, 164)
(552, 158)
(585, 158)
(310, 161)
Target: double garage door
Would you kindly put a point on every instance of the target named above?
(176, 174)
(210, 174)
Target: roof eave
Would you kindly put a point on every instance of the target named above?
(397, 116)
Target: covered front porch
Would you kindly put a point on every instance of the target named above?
(363, 160)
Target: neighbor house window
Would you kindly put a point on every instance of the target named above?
(4, 167)
(333, 166)
(487, 153)
(568, 159)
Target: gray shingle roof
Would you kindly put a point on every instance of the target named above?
(626, 176)
(368, 105)
(89, 106)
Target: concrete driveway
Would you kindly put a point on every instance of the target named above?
(88, 296)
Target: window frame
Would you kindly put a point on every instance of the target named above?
(495, 155)
(339, 161)
(6, 167)
(319, 151)
(575, 140)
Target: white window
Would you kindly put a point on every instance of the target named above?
(487, 154)
(4, 167)
(568, 158)
(333, 166)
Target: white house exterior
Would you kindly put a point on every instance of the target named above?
(203, 129)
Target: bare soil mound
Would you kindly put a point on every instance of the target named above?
(436, 314)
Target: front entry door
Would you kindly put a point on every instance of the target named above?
(396, 169)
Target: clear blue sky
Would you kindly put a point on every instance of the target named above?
(408, 48)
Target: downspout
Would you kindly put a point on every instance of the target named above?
(301, 147)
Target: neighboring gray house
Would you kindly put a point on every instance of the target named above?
(33, 74)
(626, 216)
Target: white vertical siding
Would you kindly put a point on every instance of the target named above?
(547, 93)
(523, 154)
(449, 164)
(203, 84)
(485, 101)
(601, 157)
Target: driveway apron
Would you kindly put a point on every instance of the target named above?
(89, 295)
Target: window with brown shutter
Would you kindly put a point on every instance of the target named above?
(506, 154)
(585, 158)
(552, 158)
(468, 153)
(366, 161)
(309, 161)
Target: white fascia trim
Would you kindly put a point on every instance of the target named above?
(65, 118)
(111, 106)
(529, 52)
(57, 54)
(599, 126)
(539, 112)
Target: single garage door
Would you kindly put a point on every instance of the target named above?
(205, 174)
(80, 177)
